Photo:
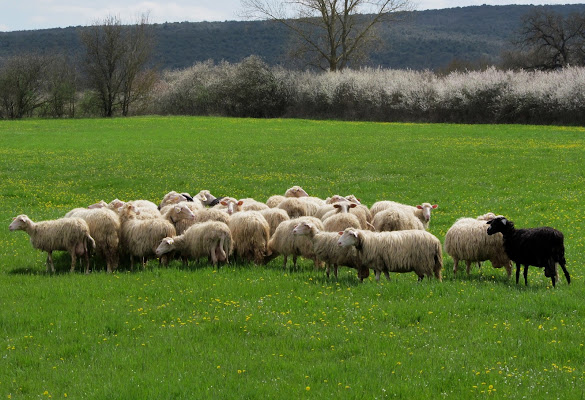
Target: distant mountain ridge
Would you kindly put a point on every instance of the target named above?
(425, 40)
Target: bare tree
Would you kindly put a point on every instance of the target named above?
(331, 34)
(549, 40)
(21, 85)
(115, 56)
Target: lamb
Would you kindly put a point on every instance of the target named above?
(141, 237)
(326, 249)
(396, 219)
(274, 217)
(284, 242)
(104, 228)
(211, 238)
(468, 240)
(422, 211)
(65, 234)
(542, 247)
(250, 233)
(400, 251)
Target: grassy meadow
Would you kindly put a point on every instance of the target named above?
(256, 332)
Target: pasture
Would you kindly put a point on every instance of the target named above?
(255, 332)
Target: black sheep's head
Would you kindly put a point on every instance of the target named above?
(499, 224)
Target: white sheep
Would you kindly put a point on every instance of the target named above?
(421, 211)
(284, 242)
(467, 240)
(104, 228)
(250, 234)
(275, 200)
(295, 191)
(400, 251)
(171, 198)
(65, 234)
(249, 204)
(274, 217)
(294, 207)
(359, 211)
(396, 219)
(141, 237)
(326, 249)
(340, 221)
(211, 238)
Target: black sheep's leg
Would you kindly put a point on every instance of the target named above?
(562, 262)
(526, 275)
(517, 272)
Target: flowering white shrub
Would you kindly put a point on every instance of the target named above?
(253, 89)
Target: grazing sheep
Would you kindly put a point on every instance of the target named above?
(65, 234)
(283, 242)
(211, 238)
(141, 237)
(206, 214)
(468, 240)
(104, 228)
(250, 233)
(250, 204)
(296, 191)
(274, 216)
(395, 219)
(542, 247)
(274, 201)
(400, 251)
(344, 206)
(171, 198)
(422, 211)
(341, 221)
(294, 207)
(327, 250)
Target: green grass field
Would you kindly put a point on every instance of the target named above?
(254, 332)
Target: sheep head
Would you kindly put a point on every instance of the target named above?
(347, 238)
(296, 191)
(166, 245)
(344, 206)
(427, 207)
(499, 224)
(19, 223)
(304, 228)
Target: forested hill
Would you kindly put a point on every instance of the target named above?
(425, 39)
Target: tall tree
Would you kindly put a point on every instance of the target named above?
(331, 34)
(550, 40)
(115, 56)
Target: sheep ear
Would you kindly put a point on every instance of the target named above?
(352, 205)
(434, 206)
(504, 221)
(240, 202)
(419, 207)
(340, 233)
(337, 205)
(223, 203)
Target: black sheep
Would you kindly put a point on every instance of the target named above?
(542, 247)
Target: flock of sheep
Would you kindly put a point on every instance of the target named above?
(338, 231)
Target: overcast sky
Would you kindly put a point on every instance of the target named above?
(40, 14)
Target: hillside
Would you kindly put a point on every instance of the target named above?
(426, 39)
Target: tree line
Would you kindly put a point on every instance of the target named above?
(114, 74)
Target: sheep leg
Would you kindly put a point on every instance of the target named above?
(387, 274)
(284, 263)
(455, 264)
(526, 275)
(50, 262)
(517, 272)
(73, 260)
(562, 263)
(327, 270)
(377, 276)
(468, 264)
(335, 270)
(294, 262)
(213, 256)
